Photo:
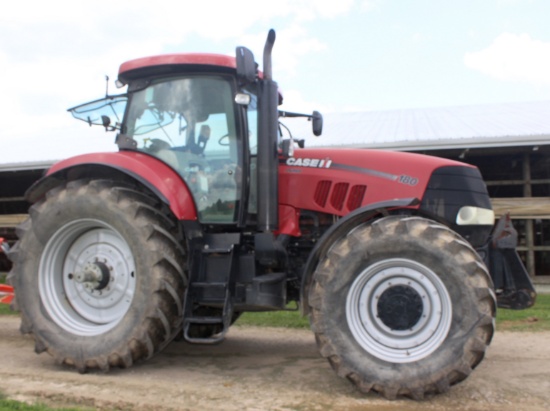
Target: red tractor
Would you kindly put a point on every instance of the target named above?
(206, 212)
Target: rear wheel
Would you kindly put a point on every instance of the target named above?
(402, 306)
(98, 275)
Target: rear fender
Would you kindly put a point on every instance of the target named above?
(343, 226)
(159, 178)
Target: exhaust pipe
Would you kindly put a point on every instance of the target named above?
(268, 164)
(268, 71)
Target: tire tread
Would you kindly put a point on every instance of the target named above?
(163, 322)
(326, 276)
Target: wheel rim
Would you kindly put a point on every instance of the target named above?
(87, 277)
(399, 310)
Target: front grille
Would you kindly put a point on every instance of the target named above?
(356, 196)
(341, 197)
(338, 196)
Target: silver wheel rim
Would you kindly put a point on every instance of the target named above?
(398, 345)
(84, 307)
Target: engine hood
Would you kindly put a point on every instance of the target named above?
(338, 181)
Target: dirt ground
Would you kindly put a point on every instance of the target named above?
(264, 369)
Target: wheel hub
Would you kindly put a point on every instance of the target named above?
(94, 276)
(400, 307)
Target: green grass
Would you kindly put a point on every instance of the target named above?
(5, 310)
(536, 318)
(283, 319)
(12, 405)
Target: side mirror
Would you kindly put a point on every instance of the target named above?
(106, 122)
(317, 123)
(246, 67)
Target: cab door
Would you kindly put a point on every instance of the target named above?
(190, 123)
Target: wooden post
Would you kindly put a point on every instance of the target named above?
(529, 226)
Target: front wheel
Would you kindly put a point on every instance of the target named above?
(402, 306)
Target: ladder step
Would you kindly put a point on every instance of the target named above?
(204, 320)
(217, 250)
(213, 339)
(211, 282)
(206, 284)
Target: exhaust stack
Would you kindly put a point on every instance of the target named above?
(268, 165)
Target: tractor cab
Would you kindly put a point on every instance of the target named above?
(191, 122)
(198, 113)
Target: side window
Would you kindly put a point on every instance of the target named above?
(252, 119)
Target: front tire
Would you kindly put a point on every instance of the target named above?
(402, 306)
(98, 275)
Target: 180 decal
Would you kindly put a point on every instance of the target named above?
(411, 181)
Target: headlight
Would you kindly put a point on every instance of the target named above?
(469, 215)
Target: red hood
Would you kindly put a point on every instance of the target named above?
(336, 181)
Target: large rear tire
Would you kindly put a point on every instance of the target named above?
(98, 275)
(402, 306)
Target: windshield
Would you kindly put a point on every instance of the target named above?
(189, 123)
(105, 112)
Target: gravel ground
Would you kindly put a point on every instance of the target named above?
(265, 369)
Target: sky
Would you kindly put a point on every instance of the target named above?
(329, 55)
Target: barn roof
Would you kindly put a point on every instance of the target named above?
(495, 125)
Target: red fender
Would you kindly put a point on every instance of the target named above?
(154, 174)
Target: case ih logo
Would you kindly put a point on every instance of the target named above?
(309, 162)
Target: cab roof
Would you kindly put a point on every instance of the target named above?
(173, 63)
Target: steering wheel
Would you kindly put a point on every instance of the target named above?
(221, 140)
